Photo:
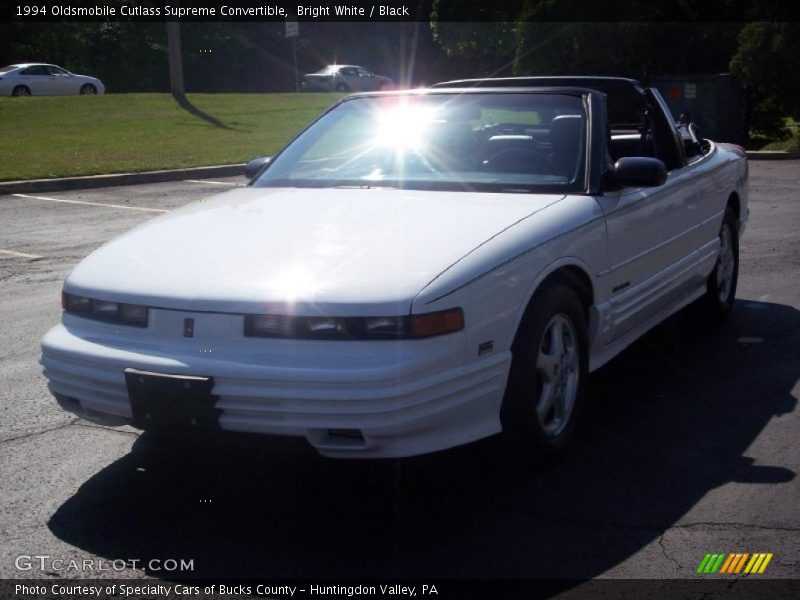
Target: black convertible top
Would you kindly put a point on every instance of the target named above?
(600, 83)
(625, 96)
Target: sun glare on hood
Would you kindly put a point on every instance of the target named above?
(293, 284)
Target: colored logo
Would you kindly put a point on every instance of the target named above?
(734, 563)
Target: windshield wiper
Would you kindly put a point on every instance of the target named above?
(364, 187)
(515, 190)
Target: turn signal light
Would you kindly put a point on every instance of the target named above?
(438, 323)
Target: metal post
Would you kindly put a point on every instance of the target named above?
(175, 60)
(294, 55)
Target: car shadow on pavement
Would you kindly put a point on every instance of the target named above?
(670, 420)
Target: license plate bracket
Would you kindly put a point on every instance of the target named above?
(164, 400)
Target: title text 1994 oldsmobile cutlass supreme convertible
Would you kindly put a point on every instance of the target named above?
(416, 270)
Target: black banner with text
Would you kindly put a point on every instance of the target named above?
(398, 10)
(608, 589)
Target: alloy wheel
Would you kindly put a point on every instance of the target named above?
(557, 370)
(726, 264)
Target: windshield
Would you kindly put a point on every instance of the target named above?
(8, 68)
(327, 70)
(485, 142)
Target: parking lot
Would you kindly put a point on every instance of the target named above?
(690, 444)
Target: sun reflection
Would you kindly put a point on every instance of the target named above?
(294, 283)
(403, 137)
(404, 127)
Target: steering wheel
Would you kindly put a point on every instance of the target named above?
(386, 161)
(521, 160)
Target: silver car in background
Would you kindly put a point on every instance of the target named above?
(39, 79)
(344, 78)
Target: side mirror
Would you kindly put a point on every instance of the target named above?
(253, 168)
(640, 171)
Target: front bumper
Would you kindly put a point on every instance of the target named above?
(404, 397)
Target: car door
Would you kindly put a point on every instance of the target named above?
(652, 238)
(367, 80)
(349, 76)
(38, 80)
(61, 81)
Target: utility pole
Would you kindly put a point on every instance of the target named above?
(175, 60)
(296, 74)
(293, 31)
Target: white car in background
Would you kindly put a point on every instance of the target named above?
(345, 78)
(39, 79)
(414, 271)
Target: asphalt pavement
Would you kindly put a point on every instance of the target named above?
(690, 444)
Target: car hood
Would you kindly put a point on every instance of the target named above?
(302, 251)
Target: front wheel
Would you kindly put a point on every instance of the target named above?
(88, 89)
(548, 371)
(21, 90)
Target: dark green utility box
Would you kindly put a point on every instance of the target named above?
(716, 103)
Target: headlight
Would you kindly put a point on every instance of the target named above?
(277, 326)
(354, 328)
(104, 310)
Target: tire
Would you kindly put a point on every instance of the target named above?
(21, 90)
(548, 371)
(717, 303)
(341, 87)
(88, 89)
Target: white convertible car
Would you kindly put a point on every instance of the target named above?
(416, 270)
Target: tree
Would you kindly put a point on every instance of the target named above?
(487, 46)
(766, 62)
(550, 43)
(175, 59)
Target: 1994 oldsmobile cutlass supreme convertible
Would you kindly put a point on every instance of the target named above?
(416, 270)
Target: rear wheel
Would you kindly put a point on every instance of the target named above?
(88, 89)
(549, 368)
(21, 90)
(718, 300)
(341, 87)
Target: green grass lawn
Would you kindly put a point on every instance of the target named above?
(787, 141)
(90, 135)
(791, 139)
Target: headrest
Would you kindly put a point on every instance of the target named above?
(566, 128)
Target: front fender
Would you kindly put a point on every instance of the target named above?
(495, 300)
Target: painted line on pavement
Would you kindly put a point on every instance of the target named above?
(214, 182)
(101, 204)
(18, 254)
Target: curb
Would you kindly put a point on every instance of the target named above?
(62, 184)
(772, 155)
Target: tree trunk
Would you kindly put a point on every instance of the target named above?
(175, 60)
